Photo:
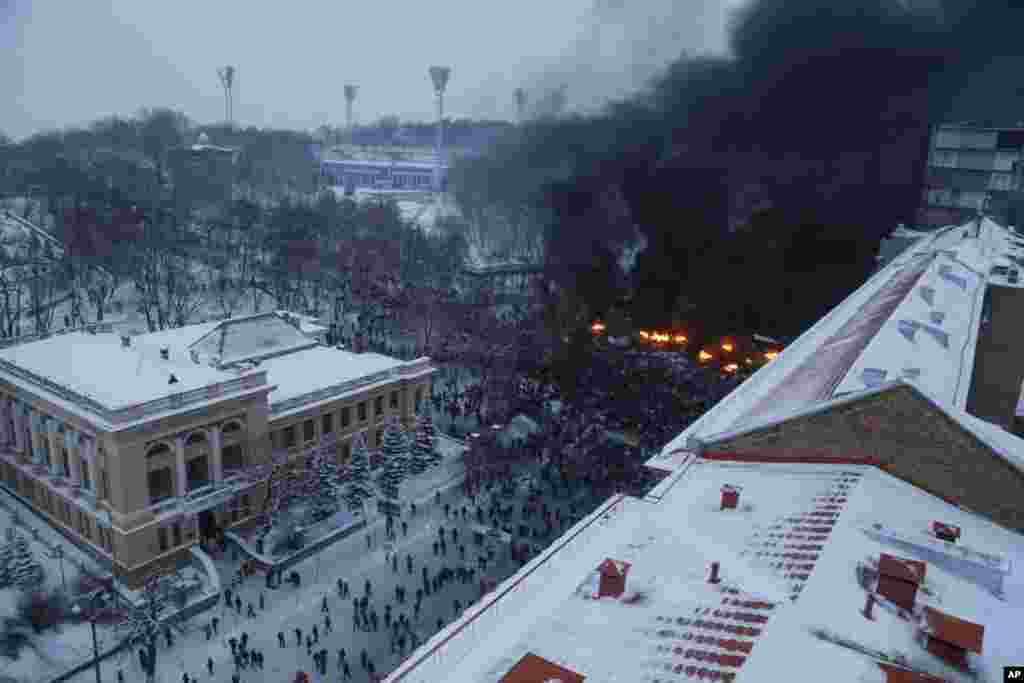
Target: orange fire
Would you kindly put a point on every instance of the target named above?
(770, 355)
(728, 347)
(679, 339)
(644, 335)
(704, 356)
(731, 367)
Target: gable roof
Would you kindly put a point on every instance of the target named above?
(534, 669)
(959, 632)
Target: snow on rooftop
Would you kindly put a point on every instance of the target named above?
(238, 339)
(788, 561)
(97, 366)
(320, 367)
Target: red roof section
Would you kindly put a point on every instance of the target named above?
(534, 669)
(900, 568)
(896, 675)
(963, 634)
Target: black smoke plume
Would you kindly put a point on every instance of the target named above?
(763, 181)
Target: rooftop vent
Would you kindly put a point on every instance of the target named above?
(950, 638)
(873, 377)
(940, 336)
(172, 379)
(612, 575)
(126, 341)
(937, 317)
(165, 353)
(730, 497)
(714, 578)
(908, 328)
(899, 579)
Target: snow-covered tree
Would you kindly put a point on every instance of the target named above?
(430, 436)
(287, 481)
(328, 485)
(421, 450)
(25, 570)
(143, 622)
(396, 454)
(357, 487)
(6, 560)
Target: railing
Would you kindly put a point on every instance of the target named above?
(403, 370)
(435, 661)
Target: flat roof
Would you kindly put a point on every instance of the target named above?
(320, 367)
(789, 594)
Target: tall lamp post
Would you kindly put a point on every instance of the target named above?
(439, 75)
(90, 615)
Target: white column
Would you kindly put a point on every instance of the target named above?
(34, 429)
(53, 438)
(179, 458)
(5, 420)
(216, 464)
(71, 442)
(19, 427)
(87, 449)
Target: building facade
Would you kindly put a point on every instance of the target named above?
(969, 166)
(357, 174)
(149, 444)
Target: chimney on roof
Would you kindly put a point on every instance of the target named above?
(172, 379)
(899, 579)
(612, 578)
(946, 532)
(165, 353)
(126, 341)
(730, 497)
(714, 578)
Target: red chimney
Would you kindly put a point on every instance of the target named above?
(899, 579)
(612, 578)
(714, 574)
(730, 497)
(869, 607)
(946, 532)
(950, 638)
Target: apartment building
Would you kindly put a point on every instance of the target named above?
(969, 166)
(135, 447)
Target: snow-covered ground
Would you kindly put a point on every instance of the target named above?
(287, 608)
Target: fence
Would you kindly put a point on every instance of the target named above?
(436, 660)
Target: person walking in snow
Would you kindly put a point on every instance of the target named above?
(250, 613)
(327, 623)
(216, 623)
(298, 637)
(323, 605)
(262, 604)
(280, 638)
(209, 665)
(316, 634)
(408, 563)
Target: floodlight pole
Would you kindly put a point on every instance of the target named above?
(439, 75)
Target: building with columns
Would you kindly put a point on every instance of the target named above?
(135, 447)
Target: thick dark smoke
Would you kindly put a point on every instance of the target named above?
(762, 181)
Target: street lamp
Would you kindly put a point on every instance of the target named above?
(77, 611)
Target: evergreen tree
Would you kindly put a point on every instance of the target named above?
(430, 436)
(396, 454)
(357, 488)
(328, 486)
(6, 560)
(421, 451)
(25, 570)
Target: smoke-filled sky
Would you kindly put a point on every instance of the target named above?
(67, 63)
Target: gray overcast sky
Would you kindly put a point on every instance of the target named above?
(67, 62)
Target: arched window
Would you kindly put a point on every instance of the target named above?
(231, 429)
(195, 438)
(158, 449)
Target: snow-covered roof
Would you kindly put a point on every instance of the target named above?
(98, 367)
(787, 558)
(251, 337)
(319, 367)
(916, 318)
(396, 164)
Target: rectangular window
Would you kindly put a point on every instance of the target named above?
(245, 504)
(106, 484)
(161, 537)
(176, 530)
(346, 452)
(160, 484)
(419, 399)
(379, 438)
(327, 423)
(362, 411)
(346, 417)
(308, 430)
(288, 436)
(378, 406)
(86, 479)
(394, 400)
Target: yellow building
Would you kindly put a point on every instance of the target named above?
(134, 447)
